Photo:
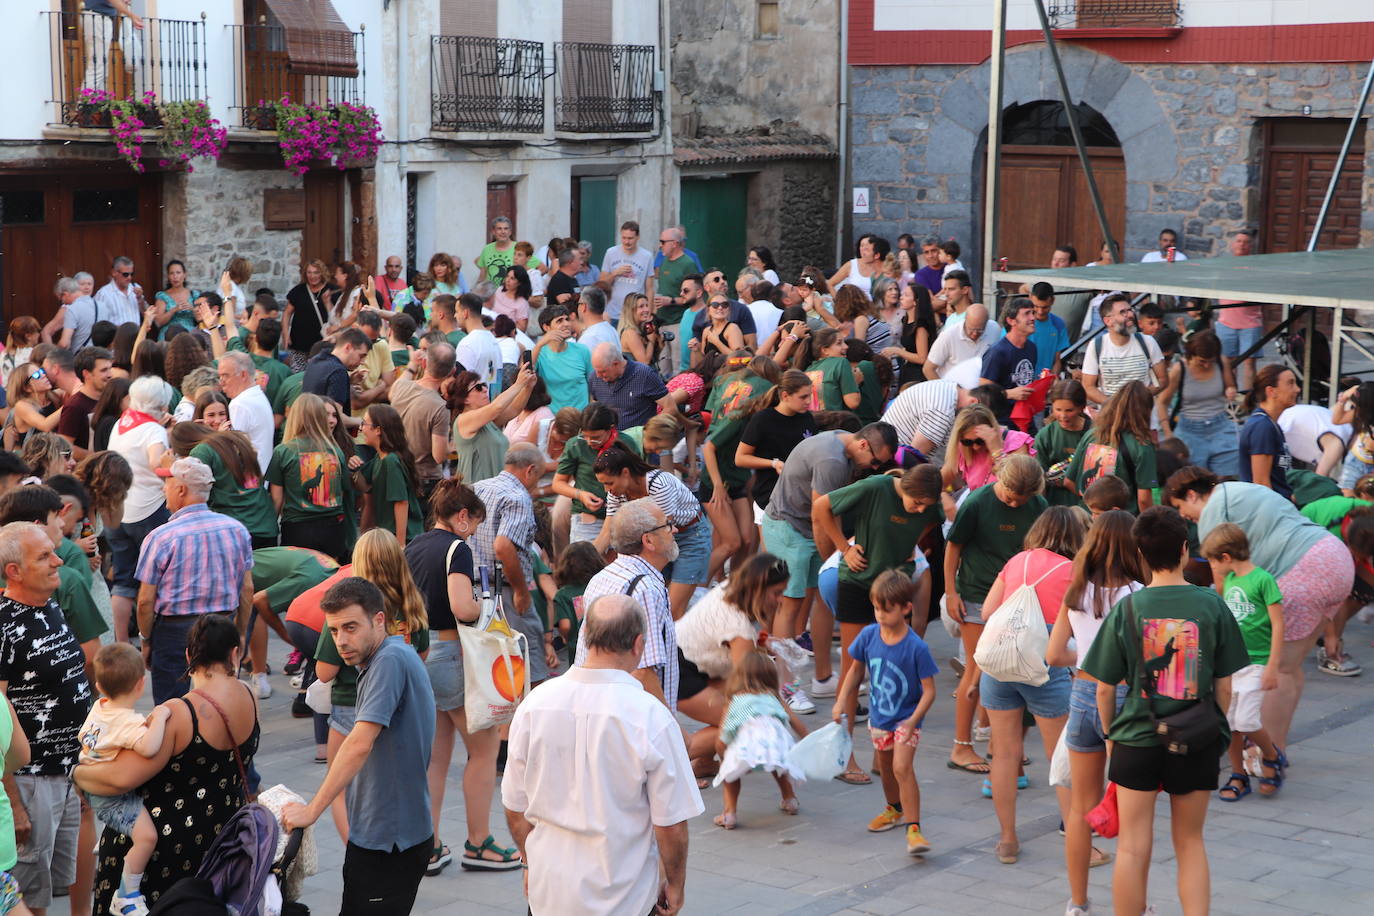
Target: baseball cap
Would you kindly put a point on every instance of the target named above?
(191, 471)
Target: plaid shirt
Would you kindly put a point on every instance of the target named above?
(660, 635)
(510, 512)
(197, 561)
(634, 396)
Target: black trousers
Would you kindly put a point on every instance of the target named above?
(327, 535)
(379, 883)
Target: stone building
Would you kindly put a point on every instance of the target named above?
(1203, 116)
(755, 90)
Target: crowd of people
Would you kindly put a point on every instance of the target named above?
(683, 486)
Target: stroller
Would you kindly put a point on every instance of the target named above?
(232, 877)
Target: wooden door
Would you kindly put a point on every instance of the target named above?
(1045, 202)
(501, 202)
(1300, 156)
(58, 224)
(715, 214)
(323, 236)
(594, 220)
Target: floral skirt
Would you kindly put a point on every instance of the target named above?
(1314, 589)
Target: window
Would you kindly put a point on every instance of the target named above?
(769, 19)
(21, 208)
(97, 205)
(1046, 124)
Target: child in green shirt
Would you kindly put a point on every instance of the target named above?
(576, 565)
(833, 386)
(1255, 601)
(1058, 439)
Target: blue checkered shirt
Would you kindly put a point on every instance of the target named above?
(510, 512)
(197, 561)
(634, 396)
(660, 635)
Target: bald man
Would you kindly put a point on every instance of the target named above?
(960, 341)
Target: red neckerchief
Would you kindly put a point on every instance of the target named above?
(131, 419)
(615, 434)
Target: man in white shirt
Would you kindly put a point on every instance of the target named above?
(967, 339)
(121, 300)
(1121, 355)
(598, 788)
(626, 268)
(591, 320)
(478, 351)
(249, 410)
(1167, 239)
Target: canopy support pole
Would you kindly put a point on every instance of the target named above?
(1078, 133)
(1337, 314)
(993, 182)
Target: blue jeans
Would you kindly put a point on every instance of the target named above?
(125, 541)
(1352, 470)
(1049, 700)
(1235, 342)
(1212, 444)
(693, 553)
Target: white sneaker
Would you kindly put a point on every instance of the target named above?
(263, 687)
(826, 688)
(1074, 909)
(297, 681)
(982, 732)
(128, 906)
(797, 700)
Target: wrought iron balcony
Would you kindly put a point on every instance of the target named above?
(486, 84)
(310, 65)
(106, 54)
(1114, 14)
(604, 88)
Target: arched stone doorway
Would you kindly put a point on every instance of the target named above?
(1045, 199)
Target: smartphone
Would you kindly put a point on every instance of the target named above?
(525, 357)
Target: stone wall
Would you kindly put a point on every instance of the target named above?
(1191, 134)
(223, 218)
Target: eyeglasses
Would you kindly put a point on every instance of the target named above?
(657, 527)
(480, 386)
(37, 374)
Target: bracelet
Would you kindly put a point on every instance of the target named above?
(793, 337)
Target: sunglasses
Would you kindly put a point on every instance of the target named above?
(37, 374)
(971, 443)
(720, 305)
(126, 273)
(480, 386)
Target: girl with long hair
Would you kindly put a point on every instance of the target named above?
(307, 477)
(184, 353)
(512, 299)
(107, 477)
(390, 479)
(639, 337)
(211, 409)
(1263, 451)
(575, 477)
(833, 386)
(858, 314)
(113, 401)
(977, 442)
(31, 410)
(443, 272)
(1356, 407)
(778, 422)
(237, 491)
(1106, 569)
(1119, 443)
(720, 335)
(1205, 386)
(343, 304)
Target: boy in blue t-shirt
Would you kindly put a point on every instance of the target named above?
(902, 686)
(1255, 601)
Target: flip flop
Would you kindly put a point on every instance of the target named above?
(855, 777)
(971, 767)
(726, 821)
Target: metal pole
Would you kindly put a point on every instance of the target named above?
(1340, 160)
(842, 132)
(993, 181)
(1077, 133)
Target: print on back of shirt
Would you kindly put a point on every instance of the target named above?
(1099, 461)
(317, 471)
(1171, 658)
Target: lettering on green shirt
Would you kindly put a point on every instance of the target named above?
(1249, 597)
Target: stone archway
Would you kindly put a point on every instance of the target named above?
(1126, 101)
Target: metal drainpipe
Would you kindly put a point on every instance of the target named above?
(843, 134)
(403, 90)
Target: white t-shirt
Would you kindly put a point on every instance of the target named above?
(599, 333)
(642, 265)
(766, 318)
(705, 631)
(953, 347)
(1303, 426)
(1119, 364)
(1154, 257)
(1085, 625)
(251, 414)
(510, 349)
(131, 443)
(480, 353)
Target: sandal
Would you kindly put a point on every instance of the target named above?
(438, 861)
(1007, 853)
(855, 777)
(790, 805)
(704, 782)
(725, 821)
(1271, 783)
(1098, 857)
(474, 860)
(1238, 785)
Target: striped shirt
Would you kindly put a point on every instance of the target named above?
(1115, 365)
(660, 636)
(510, 512)
(927, 408)
(197, 561)
(668, 493)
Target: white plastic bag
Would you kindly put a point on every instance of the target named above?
(823, 753)
(951, 625)
(1014, 641)
(1059, 763)
(317, 696)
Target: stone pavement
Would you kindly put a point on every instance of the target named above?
(1308, 850)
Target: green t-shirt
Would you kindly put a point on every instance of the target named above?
(344, 691)
(1133, 462)
(1054, 444)
(1309, 486)
(1329, 512)
(990, 533)
(668, 282)
(1249, 597)
(729, 417)
(456, 336)
(276, 371)
(1187, 637)
(483, 455)
(831, 380)
(287, 572)
(870, 394)
(567, 605)
(882, 526)
(400, 358)
(577, 460)
(387, 477)
(312, 481)
(78, 606)
(75, 559)
(537, 598)
(9, 851)
(287, 392)
(251, 505)
(493, 261)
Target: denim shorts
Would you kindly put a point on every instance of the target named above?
(117, 811)
(1213, 444)
(1352, 470)
(1083, 731)
(693, 561)
(1234, 341)
(444, 665)
(583, 531)
(1048, 701)
(803, 563)
(342, 718)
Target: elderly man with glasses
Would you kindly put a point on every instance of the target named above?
(121, 300)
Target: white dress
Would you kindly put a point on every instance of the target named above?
(756, 738)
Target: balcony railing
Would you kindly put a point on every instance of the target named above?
(1114, 14)
(104, 53)
(486, 84)
(269, 64)
(604, 88)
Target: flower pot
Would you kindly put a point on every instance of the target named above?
(91, 116)
(260, 118)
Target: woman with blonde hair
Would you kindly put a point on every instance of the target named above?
(1120, 444)
(977, 442)
(47, 454)
(639, 335)
(27, 392)
(307, 476)
(306, 314)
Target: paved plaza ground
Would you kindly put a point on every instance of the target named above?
(1308, 850)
